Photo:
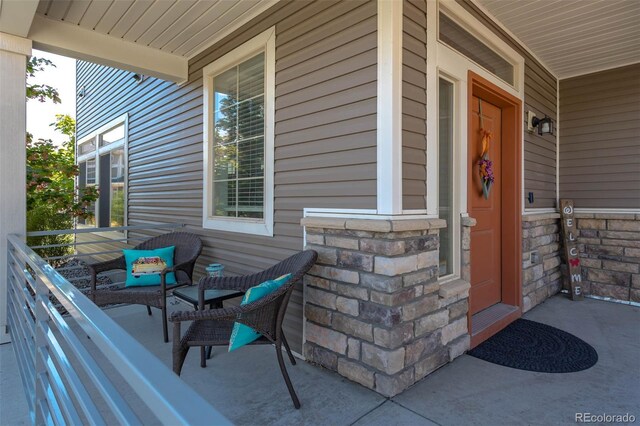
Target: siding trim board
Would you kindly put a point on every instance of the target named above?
(389, 107)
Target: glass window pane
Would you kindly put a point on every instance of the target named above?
(225, 161)
(251, 158)
(238, 163)
(87, 147)
(117, 187)
(226, 125)
(82, 184)
(251, 118)
(224, 198)
(90, 178)
(251, 198)
(114, 135)
(462, 41)
(251, 78)
(225, 89)
(445, 174)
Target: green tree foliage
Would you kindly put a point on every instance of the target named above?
(52, 199)
(51, 194)
(40, 92)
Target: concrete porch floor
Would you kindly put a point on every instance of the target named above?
(246, 386)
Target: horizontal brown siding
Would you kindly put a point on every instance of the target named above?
(325, 143)
(600, 139)
(540, 89)
(414, 105)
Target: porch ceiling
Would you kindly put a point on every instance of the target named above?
(182, 28)
(152, 37)
(574, 37)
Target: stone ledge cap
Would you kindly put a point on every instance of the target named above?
(453, 288)
(374, 225)
(323, 222)
(468, 221)
(539, 216)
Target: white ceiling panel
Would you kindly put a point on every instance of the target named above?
(180, 27)
(131, 17)
(205, 20)
(165, 21)
(150, 16)
(573, 37)
(182, 24)
(94, 13)
(76, 11)
(228, 21)
(58, 9)
(116, 11)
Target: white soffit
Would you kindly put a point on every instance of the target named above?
(179, 27)
(573, 37)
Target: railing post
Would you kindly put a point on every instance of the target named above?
(40, 329)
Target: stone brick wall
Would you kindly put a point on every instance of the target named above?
(542, 277)
(375, 312)
(609, 246)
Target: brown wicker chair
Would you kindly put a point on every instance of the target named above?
(188, 248)
(213, 327)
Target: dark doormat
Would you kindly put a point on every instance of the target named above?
(529, 345)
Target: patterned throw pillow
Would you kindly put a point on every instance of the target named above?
(242, 334)
(144, 266)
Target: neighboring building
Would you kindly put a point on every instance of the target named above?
(293, 117)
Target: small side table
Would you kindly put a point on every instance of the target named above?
(213, 298)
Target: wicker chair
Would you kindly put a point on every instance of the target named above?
(213, 327)
(188, 248)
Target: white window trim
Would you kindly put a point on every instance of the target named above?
(456, 182)
(264, 42)
(124, 143)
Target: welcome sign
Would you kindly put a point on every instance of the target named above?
(571, 249)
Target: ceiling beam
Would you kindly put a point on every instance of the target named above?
(71, 40)
(16, 16)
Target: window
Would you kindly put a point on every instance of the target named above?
(106, 168)
(461, 40)
(445, 175)
(239, 121)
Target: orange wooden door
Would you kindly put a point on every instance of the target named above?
(486, 236)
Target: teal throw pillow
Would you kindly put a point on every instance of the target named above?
(242, 334)
(144, 266)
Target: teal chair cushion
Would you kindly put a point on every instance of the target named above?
(242, 334)
(144, 266)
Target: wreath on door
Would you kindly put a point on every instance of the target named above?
(486, 165)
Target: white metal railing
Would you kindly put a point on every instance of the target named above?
(81, 367)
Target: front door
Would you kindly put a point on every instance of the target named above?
(485, 205)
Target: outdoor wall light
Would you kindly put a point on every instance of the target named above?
(544, 125)
(139, 78)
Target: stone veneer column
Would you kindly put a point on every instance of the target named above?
(466, 223)
(374, 309)
(543, 278)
